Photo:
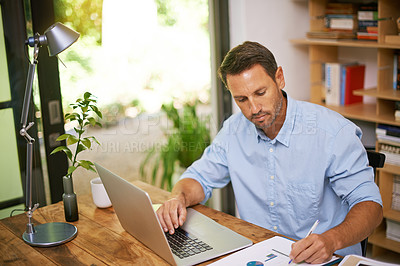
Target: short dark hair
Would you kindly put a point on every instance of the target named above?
(244, 57)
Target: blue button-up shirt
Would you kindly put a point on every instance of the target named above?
(315, 168)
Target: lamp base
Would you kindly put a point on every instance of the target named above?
(50, 234)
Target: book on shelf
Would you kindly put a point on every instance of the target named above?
(330, 35)
(396, 71)
(395, 66)
(389, 142)
(387, 130)
(341, 79)
(393, 230)
(341, 22)
(363, 25)
(397, 115)
(396, 193)
(397, 110)
(391, 151)
(340, 8)
(367, 17)
(367, 36)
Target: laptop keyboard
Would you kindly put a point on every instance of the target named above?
(184, 246)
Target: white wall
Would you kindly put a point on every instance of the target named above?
(273, 23)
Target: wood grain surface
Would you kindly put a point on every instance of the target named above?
(101, 240)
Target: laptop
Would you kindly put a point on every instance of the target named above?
(136, 214)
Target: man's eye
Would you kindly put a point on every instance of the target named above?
(241, 100)
(261, 93)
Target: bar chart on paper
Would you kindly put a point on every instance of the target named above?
(274, 251)
(271, 257)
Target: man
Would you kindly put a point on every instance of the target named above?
(290, 163)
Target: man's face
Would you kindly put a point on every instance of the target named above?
(259, 98)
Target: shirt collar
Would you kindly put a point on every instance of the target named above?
(287, 128)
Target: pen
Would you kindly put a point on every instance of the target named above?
(309, 233)
(313, 228)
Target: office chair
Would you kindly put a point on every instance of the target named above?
(376, 160)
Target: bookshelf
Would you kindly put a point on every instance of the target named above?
(326, 50)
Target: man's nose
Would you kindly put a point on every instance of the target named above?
(254, 106)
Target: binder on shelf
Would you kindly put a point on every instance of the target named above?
(332, 83)
(354, 80)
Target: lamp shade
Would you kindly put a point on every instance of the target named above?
(59, 37)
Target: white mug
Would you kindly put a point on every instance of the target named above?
(99, 193)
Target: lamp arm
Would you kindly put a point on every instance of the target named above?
(29, 85)
(30, 141)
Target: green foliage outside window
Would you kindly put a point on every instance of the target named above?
(85, 16)
(186, 141)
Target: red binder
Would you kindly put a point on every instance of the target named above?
(354, 81)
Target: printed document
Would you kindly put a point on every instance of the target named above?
(274, 251)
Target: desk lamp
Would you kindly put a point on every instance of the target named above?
(57, 38)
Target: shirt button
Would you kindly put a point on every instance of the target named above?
(275, 227)
(271, 203)
(272, 177)
(271, 150)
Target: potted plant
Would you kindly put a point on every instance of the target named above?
(186, 141)
(83, 113)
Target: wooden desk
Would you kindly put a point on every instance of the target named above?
(101, 240)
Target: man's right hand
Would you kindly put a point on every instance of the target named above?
(172, 213)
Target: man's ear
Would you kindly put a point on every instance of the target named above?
(279, 78)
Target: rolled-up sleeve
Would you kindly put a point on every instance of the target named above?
(211, 170)
(349, 174)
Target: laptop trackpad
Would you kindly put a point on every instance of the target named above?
(206, 228)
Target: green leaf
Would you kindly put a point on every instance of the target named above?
(72, 140)
(87, 95)
(92, 121)
(79, 131)
(71, 169)
(96, 110)
(63, 137)
(72, 116)
(60, 148)
(84, 109)
(91, 168)
(66, 150)
(87, 142)
(80, 148)
(95, 140)
(154, 174)
(85, 164)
